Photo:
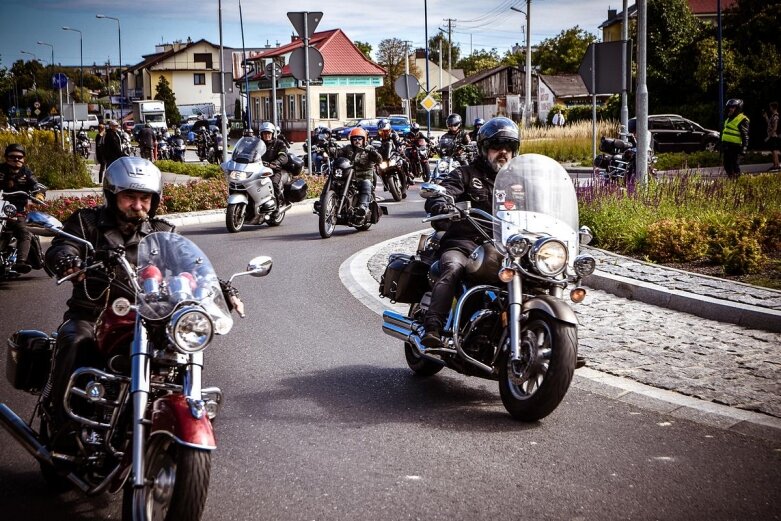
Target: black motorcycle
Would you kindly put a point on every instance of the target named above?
(177, 148)
(8, 247)
(418, 152)
(393, 170)
(618, 161)
(83, 144)
(339, 201)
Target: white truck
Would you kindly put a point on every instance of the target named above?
(150, 111)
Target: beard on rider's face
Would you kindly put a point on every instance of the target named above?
(498, 158)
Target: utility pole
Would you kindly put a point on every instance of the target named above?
(449, 64)
(641, 111)
(527, 108)
(428, 85)
(625, 37)
(440, 65)
(406, 102)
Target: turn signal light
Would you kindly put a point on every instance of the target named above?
(577, 295)
(506, 274)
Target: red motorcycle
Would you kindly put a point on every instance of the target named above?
(137, 420)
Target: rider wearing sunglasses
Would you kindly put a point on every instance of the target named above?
(14, 177)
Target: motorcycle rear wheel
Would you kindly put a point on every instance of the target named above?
(276, 218)
(536, 386)
(234, 217)
(179, 482)
(327, 217)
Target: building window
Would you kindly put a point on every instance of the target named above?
(355, 106)
(328, 106)
(266, 108)
(199, 78)
(304, 112)
(291, 107)
(205, 58)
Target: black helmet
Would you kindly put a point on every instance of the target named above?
(453, 120)
(479, 122)
(414, 127)
(15, 147)
(737, 103)
(498, 130)
(132, 173)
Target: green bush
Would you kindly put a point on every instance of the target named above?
(207, 171)
(676, 240)
(53, 166)
(735, 244)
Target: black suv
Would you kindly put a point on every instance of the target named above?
(674, 133)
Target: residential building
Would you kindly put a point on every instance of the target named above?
(504, 93)
(345, 90)
(438, 77)
(562, 89)
(705, 10)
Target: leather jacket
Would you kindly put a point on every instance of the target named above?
(13, 182)
(100, 227)
(276, 155)
(475, 183)
(362, 158)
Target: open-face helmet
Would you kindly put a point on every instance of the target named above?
(136, 174)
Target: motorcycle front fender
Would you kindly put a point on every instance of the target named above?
(172, 416)
(238, 199)
(551, 306)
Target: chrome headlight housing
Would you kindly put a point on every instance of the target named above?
(549, 256)
(190, 330)
(9, 210)
(585, 265)
(238, 175)
(518, 246)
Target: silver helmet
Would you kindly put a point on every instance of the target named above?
(268, 127)
(132, 173)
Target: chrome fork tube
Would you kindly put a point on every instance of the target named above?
(516, 308)
(345, 189)
(139, 389)
(192, 377)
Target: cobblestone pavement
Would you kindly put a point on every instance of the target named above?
(666, 349)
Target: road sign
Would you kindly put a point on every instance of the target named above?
(59, 81)
(298, 65)
(273, 69)
(37, 112)
(29, 111)
(37, 104)
(407, 86)
(606, 60)
(297, 19)
(428, 103)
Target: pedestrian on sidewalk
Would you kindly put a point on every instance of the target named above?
(734, 137)
(112, 144)
(146, 142)
(773, 139)
(100, 140)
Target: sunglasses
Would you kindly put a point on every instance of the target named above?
(15, 158)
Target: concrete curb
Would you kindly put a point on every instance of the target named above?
(355, 275)
(745, 315)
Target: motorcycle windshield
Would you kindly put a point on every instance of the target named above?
(534, 195)
(248, 150)
(173, 271)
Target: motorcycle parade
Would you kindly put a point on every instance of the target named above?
(463, 319)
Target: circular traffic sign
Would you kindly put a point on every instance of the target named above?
(37, 104)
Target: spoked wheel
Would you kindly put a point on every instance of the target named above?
(277, 217)
(535, 385)
(177, 483)
(234, 217)
(327, 217)
(394, 187)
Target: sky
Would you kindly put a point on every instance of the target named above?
(479, 24)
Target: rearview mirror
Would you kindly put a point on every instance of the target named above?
(260, 266)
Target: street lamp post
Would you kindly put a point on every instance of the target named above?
(527, 73)
(81, 54)
(121, 83)
(223, 119)
(48, 45)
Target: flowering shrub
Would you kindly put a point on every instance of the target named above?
(53, 166)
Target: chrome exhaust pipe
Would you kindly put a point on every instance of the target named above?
(400, 327)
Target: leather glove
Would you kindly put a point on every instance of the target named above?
(67, 264)
(231, 295)
(438, 208)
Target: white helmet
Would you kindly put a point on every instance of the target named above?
(132, 173)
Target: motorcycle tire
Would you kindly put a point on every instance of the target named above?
(235, 216)
(548, 352)
(276, 218)
(327, 217)
(182, 474)
(394, 187)
(419, 365)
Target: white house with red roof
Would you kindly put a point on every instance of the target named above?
(346, 90)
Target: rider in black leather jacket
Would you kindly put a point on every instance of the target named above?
(14, 177)
(498, 141)
(275, 157)
(363, 157)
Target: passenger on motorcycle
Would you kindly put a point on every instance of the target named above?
(479, 122)
(15, 176)
(363, 158)
(275, 157)
(132, 189)
(498, 141)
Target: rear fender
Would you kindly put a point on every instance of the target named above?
(551, 306)
(172, 416)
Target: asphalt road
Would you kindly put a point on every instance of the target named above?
(323, 420)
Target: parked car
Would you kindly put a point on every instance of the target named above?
(339, 132)
(399, 123)
(674, 133)
(369, 125)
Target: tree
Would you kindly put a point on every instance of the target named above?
(468, 95)
(365, 48)
(562, 54)
(433, 49)
(164, 93)
(479, 61)
(390, 54)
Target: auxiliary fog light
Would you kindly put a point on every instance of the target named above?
(506, 274)
(577, 295)
(95, 391)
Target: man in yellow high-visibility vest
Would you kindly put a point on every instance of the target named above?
(734, 137)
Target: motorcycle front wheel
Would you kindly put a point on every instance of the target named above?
(534, 386)
(178, 481)
(394, 187)
(327, 216)
(234, 217)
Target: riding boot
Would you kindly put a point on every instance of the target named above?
(364, 198)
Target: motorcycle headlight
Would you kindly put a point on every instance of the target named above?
(238, 175)
(518, 246)
(384, 165)
(392, 162)
(9, 210)
(585, 265)
(549, 256)
(190, 330)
